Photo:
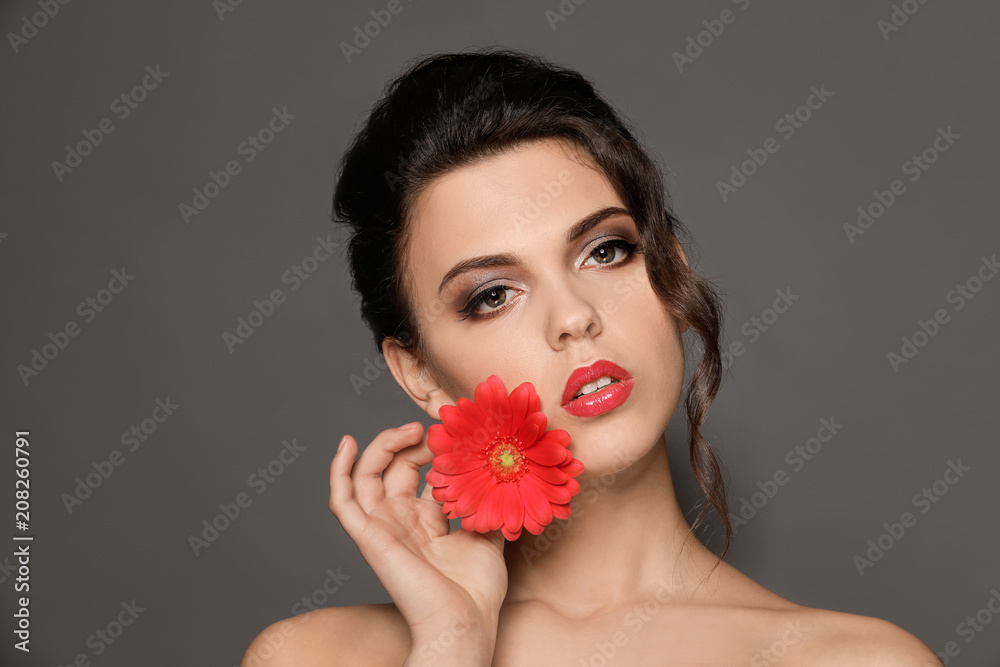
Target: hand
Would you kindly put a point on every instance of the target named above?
(434, 577)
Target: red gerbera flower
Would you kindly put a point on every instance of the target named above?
(496, 466)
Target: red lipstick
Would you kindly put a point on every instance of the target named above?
(604, 399)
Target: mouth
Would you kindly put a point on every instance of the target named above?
(596, 389)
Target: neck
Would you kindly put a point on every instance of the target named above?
(625, 540)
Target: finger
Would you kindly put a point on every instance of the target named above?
(496, 538)
(343, 504)
(367, 473)
(427, 494)
(402, 475)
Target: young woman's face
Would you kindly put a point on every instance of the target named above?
(546, 304)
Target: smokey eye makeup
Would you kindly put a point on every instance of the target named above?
(613, 252)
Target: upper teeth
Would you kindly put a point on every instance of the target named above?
(599, 383)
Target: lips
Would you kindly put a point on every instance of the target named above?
(602, 400)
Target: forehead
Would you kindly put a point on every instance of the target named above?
(525, 197)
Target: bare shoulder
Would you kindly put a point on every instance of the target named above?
(371, 634)
(781, 630)
(838, 638)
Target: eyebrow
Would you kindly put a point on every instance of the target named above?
(506, 259)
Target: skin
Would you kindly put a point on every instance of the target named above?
(623, 574)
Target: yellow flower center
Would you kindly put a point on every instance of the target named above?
(505, 460)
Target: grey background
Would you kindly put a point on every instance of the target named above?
(163, 335)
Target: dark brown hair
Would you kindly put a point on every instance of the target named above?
(449, 110)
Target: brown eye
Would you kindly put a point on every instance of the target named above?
(608, 252)
(604, 254)
(494, 297)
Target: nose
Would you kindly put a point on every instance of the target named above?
(572, 314)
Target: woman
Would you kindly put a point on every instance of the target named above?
(506, 221)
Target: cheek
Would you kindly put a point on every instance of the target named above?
(647, 323)
(462, 361)
(632, 303)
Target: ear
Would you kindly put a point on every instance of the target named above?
(680, 251)
(416, 377)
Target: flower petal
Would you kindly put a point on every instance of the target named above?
(471, 499)
(439, 493)
(499, 417)
(549, 474)
(531, 428)
(458, 424)
(560, 511)
(484, 396)
(556, 493)
(471, 412)
(439, 441)
(489, 516)
(573, 468)
(545, 454)
(510, 534)
(458, 463)
(534, 402)
(438, 479)
(467, 481)
(519, 406)
(513, 510)
(532, 526)
(556, 436)
(536, 503)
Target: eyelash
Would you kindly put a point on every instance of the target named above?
(470, 308)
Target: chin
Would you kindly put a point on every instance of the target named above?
(607, 455)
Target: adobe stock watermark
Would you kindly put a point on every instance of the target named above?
(381, 18)
(924, 500)
(972, 626)
(122, 107)
(271, 642)
(757, 325)
(591, 490)
(697, 43)
(131, 439)
(431, 650)
(460, 112)
(229, 512)
(562, 12)
(223, 7)
(797, 457)
(104, 637)
(898, 17)
(88, 310)
(638, 617)
(294, 276)
(786, 126)
(915, 167)
(7, 569)
(32, 23)
(275, 638)
(248, 149)
(927, 329)
(321, 595)
(779, 648)
(548, 192)
(372, 370)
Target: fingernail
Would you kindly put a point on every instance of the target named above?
(342, 441)
(409, 426)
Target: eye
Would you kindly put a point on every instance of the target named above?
(494, 297)
(607, 252)
(611, 252)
